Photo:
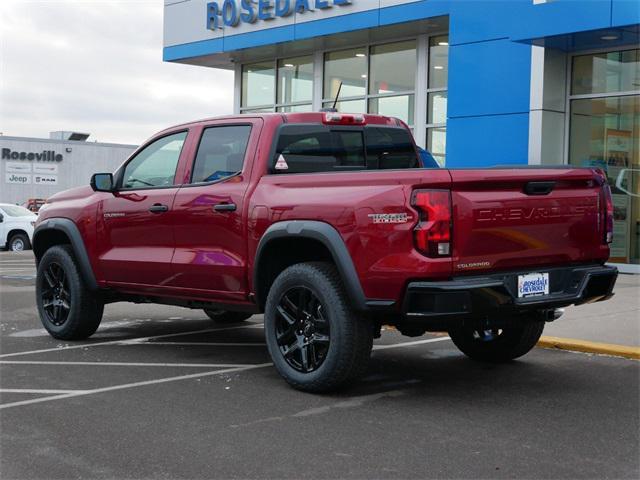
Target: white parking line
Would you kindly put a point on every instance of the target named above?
(44, 392)
(126, 364)
(203, 344)
(131, 385)
(129, 341)
(410, 344)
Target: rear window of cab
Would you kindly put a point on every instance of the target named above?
(311, 148)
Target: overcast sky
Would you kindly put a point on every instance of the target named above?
(96, 66)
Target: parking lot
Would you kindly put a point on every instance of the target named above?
(162, 392)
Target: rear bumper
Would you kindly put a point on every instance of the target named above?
(496, 295)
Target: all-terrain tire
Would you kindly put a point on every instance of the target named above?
(18, 243)
(59, 283)
(507, 344)
(350, 335)
(225, 316)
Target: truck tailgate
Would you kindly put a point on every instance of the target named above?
(522, 218)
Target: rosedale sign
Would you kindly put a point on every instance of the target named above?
(44, 156)
(230, 13)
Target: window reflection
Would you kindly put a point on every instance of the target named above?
(348, 67)
(393, 68)
(295, 79)
(258, 84)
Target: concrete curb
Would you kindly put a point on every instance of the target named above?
(585, 346)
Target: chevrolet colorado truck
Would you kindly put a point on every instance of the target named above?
(329, 225)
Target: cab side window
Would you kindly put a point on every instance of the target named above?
(155, 165)
(220, 153)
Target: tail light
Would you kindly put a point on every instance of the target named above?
(433, 232)
(608, 213)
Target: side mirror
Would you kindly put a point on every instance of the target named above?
(1, 218)
(102, 182)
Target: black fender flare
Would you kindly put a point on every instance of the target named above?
(70, 229)
(330, 238)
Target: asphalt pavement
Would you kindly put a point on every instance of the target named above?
(162, 392)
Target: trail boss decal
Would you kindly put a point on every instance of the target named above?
(388, 217)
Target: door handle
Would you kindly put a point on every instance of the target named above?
(225, 207)
(158, 208)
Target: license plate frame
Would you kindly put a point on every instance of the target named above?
(534, 284)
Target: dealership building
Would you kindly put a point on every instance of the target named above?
(481, 83)
(40, 167)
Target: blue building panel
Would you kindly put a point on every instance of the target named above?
(559, 17)
(193, 49)
(488, 141)
(343, 23)
(414, 11)
(489, 78)
(625, 12)
(259, 38)
(479, 20)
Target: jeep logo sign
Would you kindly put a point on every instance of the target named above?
(45, 156)
(18, 178)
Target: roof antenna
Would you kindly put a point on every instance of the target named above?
(333, 108)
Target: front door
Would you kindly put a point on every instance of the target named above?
(210, 259)
(134, 232)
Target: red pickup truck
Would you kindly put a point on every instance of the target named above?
(329, 224)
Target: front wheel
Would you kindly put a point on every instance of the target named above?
(498, 345)
(316, 340)
(19, 242)
(68, 309)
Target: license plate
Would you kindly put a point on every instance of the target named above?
(533, 284)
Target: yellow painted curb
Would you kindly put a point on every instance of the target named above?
(590, 347)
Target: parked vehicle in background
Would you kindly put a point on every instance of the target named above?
(34, 204)
(16, 227)
(330, 225)
(427, 159)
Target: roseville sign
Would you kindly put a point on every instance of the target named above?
(44, 156)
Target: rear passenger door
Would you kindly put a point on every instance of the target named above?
(210, 225)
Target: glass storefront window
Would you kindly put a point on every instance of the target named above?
(606, 72)
(437, 144)
(348, 67)
(296, 108)
(257, 110)
(437, 108)
(392, 68)
(605, 133)
(350, 106)
(258, 84)
(438, 61)
(295, 80)
(377, 79)
(400, 106)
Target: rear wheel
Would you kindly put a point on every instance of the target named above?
(316, 340)
(68, 309)
(499, 344)
(19, 242)
(224, 316)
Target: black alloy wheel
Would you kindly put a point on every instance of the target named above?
(68, 308)
(317, 341)
(56, 297)
(302, 329)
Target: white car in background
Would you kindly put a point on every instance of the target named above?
(16, 227)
